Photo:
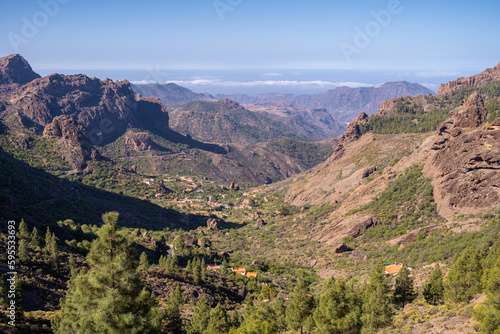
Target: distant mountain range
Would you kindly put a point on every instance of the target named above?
(171, 94)
(343, 103)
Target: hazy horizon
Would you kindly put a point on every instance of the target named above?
(238, 46)
(261, 81)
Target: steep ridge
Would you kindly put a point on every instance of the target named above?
(81, 114)
(171, 94)
(105, 108)
(226, 121)
(475, 81)
(461, 161)
(464, 164)
(315, 123)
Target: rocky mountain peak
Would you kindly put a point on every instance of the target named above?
(230, 103)
(14, 69)
(105, 108)
(352, 133)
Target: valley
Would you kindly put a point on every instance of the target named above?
(198, 190)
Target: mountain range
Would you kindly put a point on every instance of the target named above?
(318, 116)
(415, 184)
(87, 115)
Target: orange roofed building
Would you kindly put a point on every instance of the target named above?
(393, 269)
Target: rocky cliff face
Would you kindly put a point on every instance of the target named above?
(14, 69)
(73, 143)
(352, 133)
(105, 108)
(138, 141)
(478, 80)
(465, 161)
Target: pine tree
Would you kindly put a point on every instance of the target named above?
(172, 318)
(377, 307)
(3, 291)
(488, 312)
(203, 270)
(433, 291)
(173, 265)
(48, 237)
(162, 262)
(219, 322)
(339, 309)
(23, 251)
(177, 295)
(53, 252)
(196, 271)
(279, 310)
(72, 264)
(404, 292)
(489, 261)
(108, 298)
(201, 317)
(36, 240)
(300, 307)
(463, 282)
(143, 261)
(23, 232)
(189, 266)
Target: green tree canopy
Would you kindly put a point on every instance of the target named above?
(108, 298)
(488, 312)
(433, 291)
(404, 292)
(201, 317)
(219, 322)
(300, 307)
(339, 309)
(463, 282)
(377, 308)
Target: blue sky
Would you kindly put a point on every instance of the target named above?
(428, 39)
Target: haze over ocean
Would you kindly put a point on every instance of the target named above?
(240, 46)
(255, 81)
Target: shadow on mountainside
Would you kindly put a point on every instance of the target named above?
(44, 199)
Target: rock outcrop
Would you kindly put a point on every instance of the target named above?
(105, 108)
(74, 145)
(14, 69)
(352, 133)
(465, 163)
(138, 141)
(475, 81)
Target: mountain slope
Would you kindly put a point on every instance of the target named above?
(171, 94)
(226, 121)
(86, 115)
(461, 160)
(343, 103)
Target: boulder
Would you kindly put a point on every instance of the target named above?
(342, 248)
(213, 223)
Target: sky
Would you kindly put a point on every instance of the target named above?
(283, 44)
